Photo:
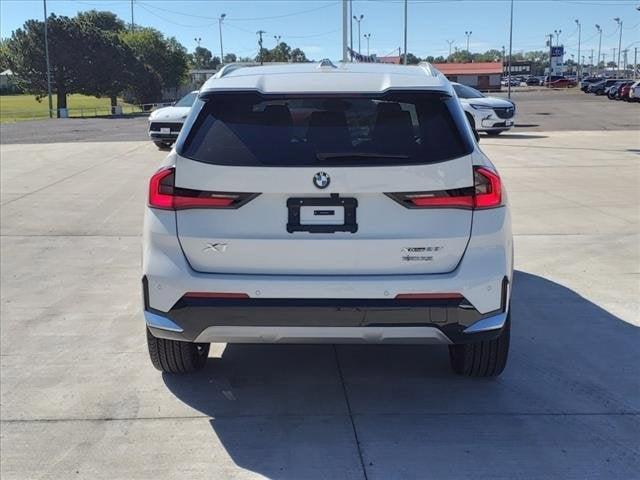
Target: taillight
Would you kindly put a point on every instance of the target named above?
(486, 193)
(163, 194)
(488, 189)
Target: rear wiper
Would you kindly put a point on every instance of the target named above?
(334, 155)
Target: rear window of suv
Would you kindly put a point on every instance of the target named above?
(251, 129)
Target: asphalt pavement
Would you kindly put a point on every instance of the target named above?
(80, 399)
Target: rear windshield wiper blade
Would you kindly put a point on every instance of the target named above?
(356, 155)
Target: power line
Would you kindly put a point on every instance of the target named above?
(172, 21)
(229, 18)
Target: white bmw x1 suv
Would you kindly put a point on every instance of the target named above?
(314, 203)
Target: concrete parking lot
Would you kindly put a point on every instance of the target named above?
(80, 399)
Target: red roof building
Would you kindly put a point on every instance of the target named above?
(480, 75)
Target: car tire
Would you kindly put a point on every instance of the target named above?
(493, 133)
(486, 358)
(163, 145)
(173, 356)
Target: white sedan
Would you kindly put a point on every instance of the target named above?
(165, 123)
(491, 115)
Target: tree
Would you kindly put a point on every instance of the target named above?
(298, 56)
(70, 60)
(411, 59)
(4, 54)
(106, 21)
(281, 53)
(166, 56)
(230, 58)
(202, 59)
(86, 56)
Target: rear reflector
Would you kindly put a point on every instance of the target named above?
(486, 193)
(214, 295)
(163, 194)
(428, 296)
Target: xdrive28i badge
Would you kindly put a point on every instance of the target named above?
(321, 180)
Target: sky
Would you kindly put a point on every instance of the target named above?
(316, 26)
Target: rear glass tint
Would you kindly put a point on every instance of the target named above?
(250, 129)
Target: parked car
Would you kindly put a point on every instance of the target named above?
(551, 78)
(514, 82)
(623, 92)
(562, 83)
(599, 88)
(165, 123)
(310, 203)
(634, 92)
(491, 115)
(584, 84)
(533, 81)
(614, 90)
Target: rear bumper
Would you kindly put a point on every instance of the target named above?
(286, 320)
(328, 308)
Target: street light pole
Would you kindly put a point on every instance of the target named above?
(599, 44)
(358, 19)
(351, 28)
(277, 39)
(579, 69)
(46, 54)
(344, 30)
(557, 32)
(510, 50)
(468, 34)
(367, 36)
(619, 22)
(220, 31)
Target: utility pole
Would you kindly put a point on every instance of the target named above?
(132, 23)
(504, 55)
(367, 36)
(46, 54)
(406, 3)
(635, 63)
(344, 30)
(510, 50)
(591, 61)
(358, 19)
(599, 44)
(619, 22)
(220, 19)
(450, 42)
(260, 33)
(579, 70)
(624, 62)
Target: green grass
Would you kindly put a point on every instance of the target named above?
(15, 108)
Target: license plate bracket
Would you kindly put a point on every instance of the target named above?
(341, 206)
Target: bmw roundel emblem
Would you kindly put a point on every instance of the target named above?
(321, 180)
